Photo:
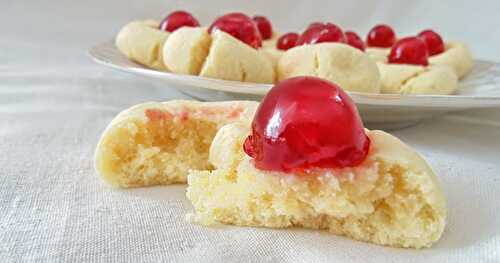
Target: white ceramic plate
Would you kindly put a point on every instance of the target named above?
(481, 88)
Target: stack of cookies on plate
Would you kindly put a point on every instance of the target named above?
(239, 48)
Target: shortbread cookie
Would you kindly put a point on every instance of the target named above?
(414, 79)
(231, 59)
(185, 50)
(307, 161)
(157, 143)
(393, 198)
(457, 56)
(142, 42)
(342, 64)
(194, 51)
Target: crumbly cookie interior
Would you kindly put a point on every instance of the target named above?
(384, 200)
(385, 205)
(157, 152)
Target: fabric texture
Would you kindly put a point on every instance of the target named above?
(54, 103)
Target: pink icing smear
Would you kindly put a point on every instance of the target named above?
(183, 115)
(235, 112)
(158, 115)
(210, 111)
(232, 112)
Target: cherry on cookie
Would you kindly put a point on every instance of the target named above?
(409, 50)
(354, 40)
(434, 42)
(287, 41)
(306, 122)
(264, 26)
(239, 26)
(178, 19)
(322, 32)
(382, 36)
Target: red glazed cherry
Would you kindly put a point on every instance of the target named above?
(381, 36)
(318, 33)
(306, 122)
(409, 50)
(264, 26)
(287, 41)
(314, 24)
(178, 19)
(433, 40)
(354, 40)
(239, 26)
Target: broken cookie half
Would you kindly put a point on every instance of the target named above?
(306, 161)
(157, 143)
(194, 51)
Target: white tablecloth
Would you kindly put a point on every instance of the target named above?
(54, 103)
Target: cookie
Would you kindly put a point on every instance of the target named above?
(457, 56)
(393, 198)
(186, 49)
(142, 42)
(157, 143)
(344, 65)
(230, 59)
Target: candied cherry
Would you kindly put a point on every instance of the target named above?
(314, 24)
(381, 36)
(322, 32)
(409, 50)
(264, 26)
(354, 40)
(239, 26)
(304, 123)
(287, 41)
(434, 42)
(178, 19)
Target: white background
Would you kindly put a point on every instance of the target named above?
(54, 103)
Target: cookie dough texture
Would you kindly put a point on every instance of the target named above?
(157, 143)
(230, 59)
(142, 42)
(378, 54)
(412, 79)
(392, 199)
(457, 56)
(348, 67)
(185, 50)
